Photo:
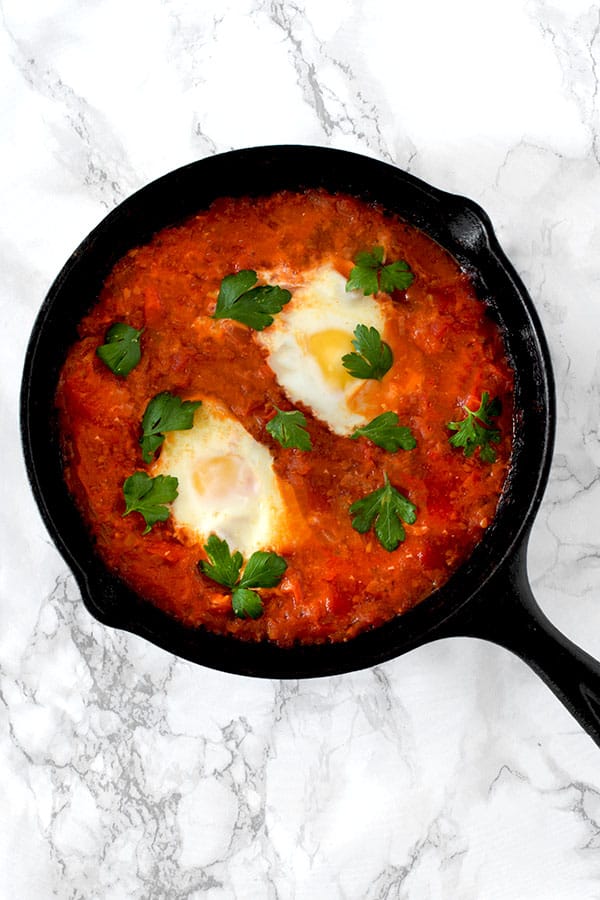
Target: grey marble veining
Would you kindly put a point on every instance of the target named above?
(451, 772)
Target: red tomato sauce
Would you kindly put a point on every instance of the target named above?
(447, 352)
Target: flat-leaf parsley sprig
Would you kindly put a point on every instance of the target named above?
(149, 496)
(476, 430)
(385, 431)
(240, 299)
(289, 429)
(263, 570)
(384, 509)
(371, 275)
(373, 357)
(165, 412)
(121, 351)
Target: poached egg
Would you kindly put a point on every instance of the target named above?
(309, 337)
(227, 484)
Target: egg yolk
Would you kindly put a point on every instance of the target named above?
(224, 476)
(327, 348)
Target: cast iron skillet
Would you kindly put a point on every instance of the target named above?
(489, 596)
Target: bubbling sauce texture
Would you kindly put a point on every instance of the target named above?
(235, 479)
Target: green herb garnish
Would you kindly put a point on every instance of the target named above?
(289, 428)
(476, 429)
(263, 570)
(223, 566)
(385, 431)
(239, 299)
(121, 351)
(373, 357)
(386, 509)
(246, 604)
(148, 495)
(165, 412)
(370, 275)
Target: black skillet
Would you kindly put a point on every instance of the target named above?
(489, 596)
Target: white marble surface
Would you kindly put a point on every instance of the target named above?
(451, 772)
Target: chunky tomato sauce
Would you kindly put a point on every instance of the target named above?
(447, 352)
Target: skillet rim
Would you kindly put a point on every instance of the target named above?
(473, 237)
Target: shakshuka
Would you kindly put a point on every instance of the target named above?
(287, 418)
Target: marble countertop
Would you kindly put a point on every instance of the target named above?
(451, 772)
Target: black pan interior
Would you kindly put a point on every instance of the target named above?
(458, 224)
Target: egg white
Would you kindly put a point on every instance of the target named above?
(227, 485)
(308, 339)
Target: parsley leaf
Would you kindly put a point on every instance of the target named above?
(246, 603)
(148, 495)
(165, 412)
(364, 275)
(386, 432)
(395, 277)
(374, 357)
(263, 570)
(254, 306)
(121, 352)
(476, 429)
(222, 566)
(386, 508)
(370, 275)
(289, 428)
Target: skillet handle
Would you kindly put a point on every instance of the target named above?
(507, 614)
